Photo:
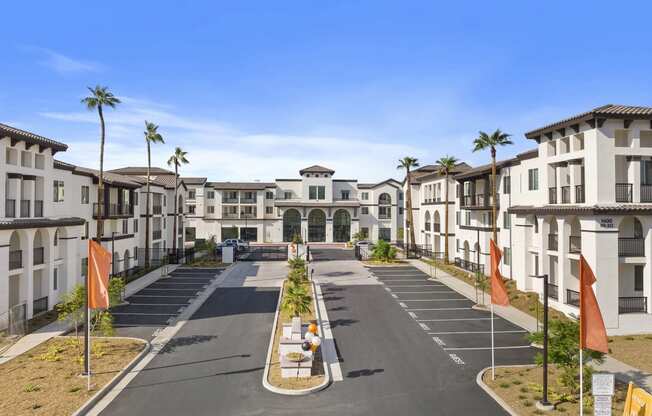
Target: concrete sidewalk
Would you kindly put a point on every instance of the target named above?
(621, 370)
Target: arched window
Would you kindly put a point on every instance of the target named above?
(384, 199)
(427, 221)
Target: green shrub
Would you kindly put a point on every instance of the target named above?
(297, 263)
(383, 251)
(296, 300)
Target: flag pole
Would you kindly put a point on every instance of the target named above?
(493, 361)
(581, 384)
(581, 342)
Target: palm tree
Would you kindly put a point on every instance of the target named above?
(296, 300)
(444, 167)
(177, 159)
(486, 141)
(407, 163)
(151, 136)
(99, 98)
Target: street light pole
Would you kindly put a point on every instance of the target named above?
(544, 404)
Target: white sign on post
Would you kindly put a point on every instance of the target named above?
(602, 405)
(602, 390)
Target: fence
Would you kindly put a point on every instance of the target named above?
(14, 321)
(362, 253)
(262, 253)
(469, 265)
(632, 304)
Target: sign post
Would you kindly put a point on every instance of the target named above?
(602, 389)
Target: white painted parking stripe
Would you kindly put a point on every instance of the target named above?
(402, 304)
(175, 283)
(424, 326)
(432, 300)
(430, 285)
(440, 309)
(157, 288)
(143, 314)
(512, 347)
(425, 291)
(403, 280)
(456, 319)
(158, 304)
(156, 296)
(388, 289)
(394, 296)
(476, 332)
(412, 314)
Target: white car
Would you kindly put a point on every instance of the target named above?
(235, 242)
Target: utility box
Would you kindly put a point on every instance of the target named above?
(227, 255)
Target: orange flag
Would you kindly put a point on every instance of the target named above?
(99, 263)
(593, 334)
(498, 290)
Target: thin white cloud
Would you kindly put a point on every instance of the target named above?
(61, 63)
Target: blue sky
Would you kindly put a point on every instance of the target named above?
(257, 90)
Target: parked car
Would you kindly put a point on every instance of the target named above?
(237, 243)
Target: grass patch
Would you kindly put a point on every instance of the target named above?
(293, 383)
(394, 262)
(45, 380)
(635, 350)
(523, 399)
(206, 261)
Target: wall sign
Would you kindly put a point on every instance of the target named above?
(606, 223)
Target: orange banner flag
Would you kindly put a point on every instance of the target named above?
(498, 290)
(593, 334)
(99, 263)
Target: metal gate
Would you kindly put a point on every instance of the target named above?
(15, 320)
(263, 253)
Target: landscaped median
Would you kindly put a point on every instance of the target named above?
(46, 380)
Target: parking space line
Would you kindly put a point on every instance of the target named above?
(512, 347)
(455, 319)
(158, 288)
(476, 332)
(430, 285)
(413, 315)
(439, 309)
(425, 291)
(402, 304)
(175, 283)
(156, 296)
(143, 314)
(158, 304)
(431, 300)
(394, 296)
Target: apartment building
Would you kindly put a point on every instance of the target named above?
(586, 188)
(50, 211)
(315, 206)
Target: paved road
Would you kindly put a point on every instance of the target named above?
(390, 365)
(331, 254)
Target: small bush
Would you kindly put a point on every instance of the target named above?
(297, 263)
(504, 385)
(383, 251)
(527, 403)
(30, 388)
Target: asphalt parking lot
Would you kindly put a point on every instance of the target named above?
(157, 305)
(331, 254)
(448, 318)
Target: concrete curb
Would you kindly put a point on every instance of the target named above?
(268, 362)
(490, 392)
(90, 403)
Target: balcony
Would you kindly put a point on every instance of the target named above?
(10, 208)
(385, 216)
(646, 193)
(24, 208)
(247, 215)
(113, 210)
(631, 247)
(230, 215)
(15, 259)
(552, 195)
(565, 194)
(632, 304)
(579, 194)
(248, 200)
(40, 306)
(553, 242)
(573, 298)
(553, 291)
(227, 200)
(469, 265)
(156, 234)
(436, 227)
(157, 209)
(38, 208)
(575, 244)
(39, 255)
(623, 192)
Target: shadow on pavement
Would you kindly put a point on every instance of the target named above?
(364, 373)
(174, 343)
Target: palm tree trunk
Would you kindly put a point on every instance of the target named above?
(493, 192)
(147, 214)
(100, 180)
(176, 187)
(409, 207)
(446, 220)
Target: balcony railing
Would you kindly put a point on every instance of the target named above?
(553, 291)
(24, 208)
(631, 247)
(38, 208)
(632, 304)
(247, 215)
(10, 208)
(113, 210)
(623, 192)
(574, 244)
(156, 234)
(230, 200)
(469, 265)
(157, 209)
(572, 297)
(40, 305)
(384, 216)
(15, 259)
(436, 227)
(646, 193)
(427, 226)
(247, 200)
(553, 242)
(39, 255)
(565, 194)
(232, 215)
(579, 194)
(552, 195)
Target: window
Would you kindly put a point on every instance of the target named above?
(191, 209)
(135, 253)
(269, 195)
(384, 212)
(507, 184)
(646, 172)
(365, 196)
(365, 232)
(135, 198)
(317, 192)
(345, 195)
(507, 221)
(84, 194)
(400, 210)
(125, 226)
(400, 196)
(165, 200)
(56, 238)
(57, 191)
(638, 278)
(84, 266)
(269, 210)
(467, 218)
(458, 215)
(287, 195)
(85, 232)
(165, 222)
(210, 194)
(55, 279)
(507, 256)
(210, 209)
(457, 244)
(385, 234)
(135, 226)
(364, 210)
(533, 179)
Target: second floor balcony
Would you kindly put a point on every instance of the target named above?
(10, 208)
(646, 193)
(631, 247)
(112, 210)
(15, 259)
(574, 244)
(157, 234)
(480, 201)
(623, 192)
(25, 205)
(230, 215)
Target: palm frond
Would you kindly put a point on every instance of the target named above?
(446, 164)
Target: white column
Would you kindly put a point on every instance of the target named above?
(563, 266)
(635, 176)
(4, 272)
(647, 270)
(27, 277)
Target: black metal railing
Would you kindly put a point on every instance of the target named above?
(156, 234)
(469, 265)
(572, 297)
(38, 208)
(39, 255)
(157, 209)
(623, 192)
(579, 194)
(40, 305)
(427, 226)
(565, 194)
(112, 210)
(632, 304)
(646, 193)
(230, 200)
(24, 208)
(631, 247)
(552, 195)
(553, 291)
(15, 259)
(574, 244)
(553, 242)
(247, 200)
(10, 208)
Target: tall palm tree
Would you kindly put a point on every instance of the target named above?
(444, 167)
(408, 163)
(486, 141)
(151, 136)
(177, 159)
(99, 98)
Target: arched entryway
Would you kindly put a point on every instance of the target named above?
(316, 226)
(341, 226)
(291, 224)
